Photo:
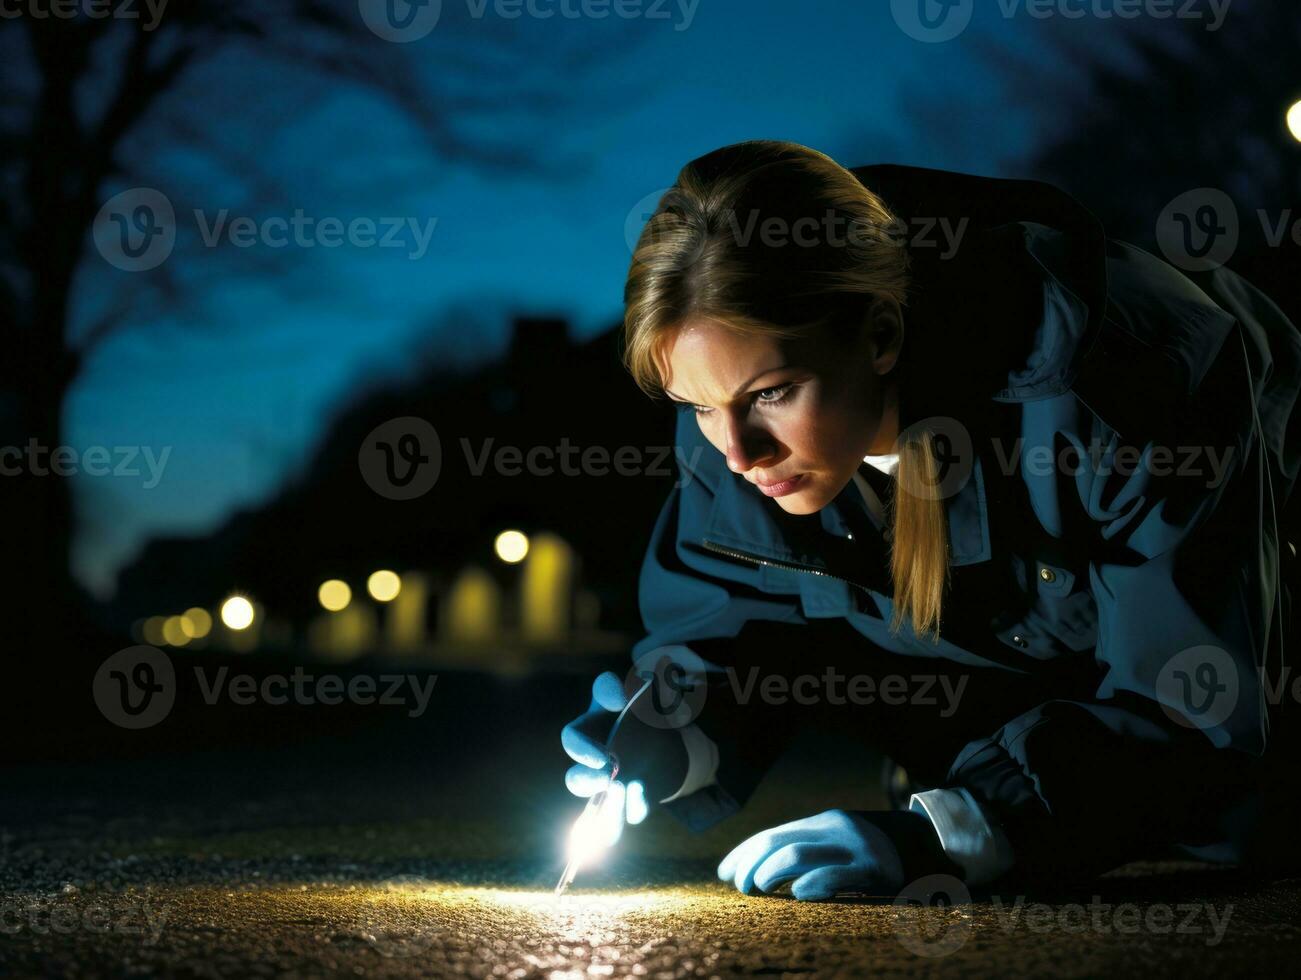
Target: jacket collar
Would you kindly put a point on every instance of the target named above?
(743, 519)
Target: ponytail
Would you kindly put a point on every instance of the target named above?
(919, 550)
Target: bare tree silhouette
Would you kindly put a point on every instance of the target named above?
(1191, 108)
(97, 102)
(1159, 110)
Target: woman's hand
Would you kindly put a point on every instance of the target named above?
(837, 851)
(652, 761)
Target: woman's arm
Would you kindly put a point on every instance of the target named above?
(689, 596)
(1185, 596)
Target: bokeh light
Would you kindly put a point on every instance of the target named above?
(384, 585)
(153, 630)
(511, 546)
(334, 594)
(174, 632)
(237, 613)
(196, 622)
(1294, 120)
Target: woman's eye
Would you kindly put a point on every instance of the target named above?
(770, 396)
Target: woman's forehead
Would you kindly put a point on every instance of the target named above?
(707, 362)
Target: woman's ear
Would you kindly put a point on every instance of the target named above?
(884, 334)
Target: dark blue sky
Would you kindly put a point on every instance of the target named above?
(241, 382)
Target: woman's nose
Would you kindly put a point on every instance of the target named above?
(748, 446)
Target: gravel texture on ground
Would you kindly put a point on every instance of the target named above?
(418, 853)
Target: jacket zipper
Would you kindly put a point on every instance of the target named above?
(778, 563)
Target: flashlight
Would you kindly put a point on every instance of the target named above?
(601, 821)
(596, 828)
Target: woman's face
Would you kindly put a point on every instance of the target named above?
(795, 418)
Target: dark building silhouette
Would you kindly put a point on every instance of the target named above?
(572, 405)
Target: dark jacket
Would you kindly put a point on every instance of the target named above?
(1113, 585)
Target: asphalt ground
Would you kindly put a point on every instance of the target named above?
(393, 848)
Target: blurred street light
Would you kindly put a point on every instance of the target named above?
(237, 613)
(334, 594)
(384, 585)
(1294, 120)
(153, 630)
(511, 546)
(174, 631)
(196, 622)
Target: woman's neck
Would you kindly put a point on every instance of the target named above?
(887, 433)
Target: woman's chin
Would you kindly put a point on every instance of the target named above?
(808, 500)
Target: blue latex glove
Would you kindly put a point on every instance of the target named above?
(652, 761)
(839, 851)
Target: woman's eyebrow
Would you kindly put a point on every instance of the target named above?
(739, 391)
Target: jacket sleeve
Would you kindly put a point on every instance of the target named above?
(723, 614)
(1185, 596)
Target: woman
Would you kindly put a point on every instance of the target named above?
(959, 435)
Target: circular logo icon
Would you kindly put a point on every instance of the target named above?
(395, 917)
(1198, 687)
(932, 21)
(135, 687)
(930, 918)
(952, 453)
(638, 215)
(675, 686)
(400, 21)
(1198, 231)
(401, 459)
(135, 231)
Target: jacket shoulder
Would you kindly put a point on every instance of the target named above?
(1158, 337)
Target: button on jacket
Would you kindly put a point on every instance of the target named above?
(1110, 528)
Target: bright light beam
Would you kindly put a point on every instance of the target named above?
(597, 828)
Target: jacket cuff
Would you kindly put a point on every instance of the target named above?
(702, 762)
(703, 808)
(969, 838)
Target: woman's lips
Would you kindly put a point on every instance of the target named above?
(783, 488)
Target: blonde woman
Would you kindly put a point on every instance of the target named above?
(954, 434)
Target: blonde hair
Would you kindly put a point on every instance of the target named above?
(700, 256)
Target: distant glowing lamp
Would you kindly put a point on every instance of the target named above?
(1294, 120)
(237, 613)
(153, 630)
(196, 622)
(384, 585)
(174, 631)
(511, 546)
(334, 594)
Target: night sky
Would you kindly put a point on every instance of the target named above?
(241, 371)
